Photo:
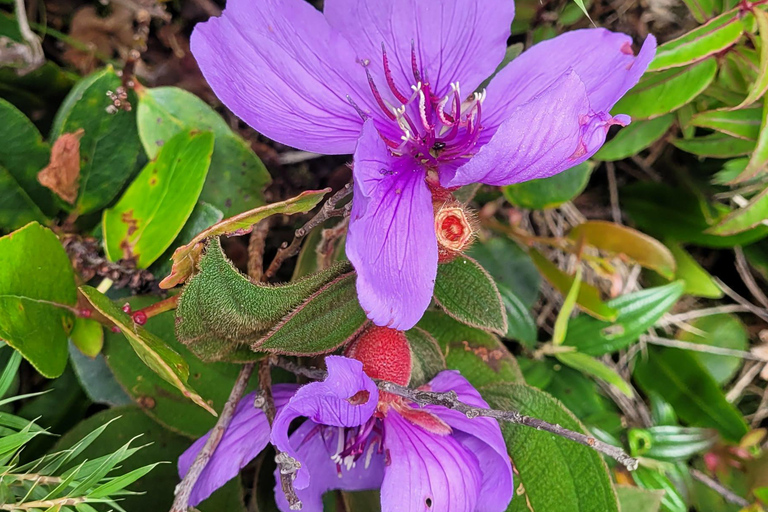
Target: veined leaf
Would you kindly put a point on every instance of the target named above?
(551, 192)
(716, 145)
(591, 366)
(759, 157)
(753, 214)
(653, 480)
(760, 86)
(670, 443)
(635, 138)
(742, 124)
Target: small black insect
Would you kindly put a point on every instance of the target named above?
(438, 146)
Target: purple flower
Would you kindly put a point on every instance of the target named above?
(388, 80)
(353, 438)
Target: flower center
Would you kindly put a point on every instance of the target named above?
(434, 129)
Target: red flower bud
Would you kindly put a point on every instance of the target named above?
(385, 354)
(454, 231)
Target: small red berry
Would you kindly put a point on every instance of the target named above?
(84, 313)
(127, 308)
(385, 354)
(140, 317)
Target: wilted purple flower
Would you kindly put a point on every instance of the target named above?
(388, 80)
(353, 439)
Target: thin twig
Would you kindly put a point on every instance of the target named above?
(286, 464)
(36, 57)
(746, 378)
(184, 489)
(700, 347)
(719, 488)
(45, 504)
(613, 191)
(760, 312)
(698, 313)
(256, 249)
(450, 400)
(742, 267)
(328, 211)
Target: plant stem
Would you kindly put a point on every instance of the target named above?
(719, 488)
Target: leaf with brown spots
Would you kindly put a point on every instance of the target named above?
(63, 172)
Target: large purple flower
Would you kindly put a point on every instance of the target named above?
(353, 439)
(388, 80)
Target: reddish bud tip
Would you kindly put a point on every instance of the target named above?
(140, 317)
(454, 231)
(385, 354)
(84, 313)
(127, 308)
(115, 329)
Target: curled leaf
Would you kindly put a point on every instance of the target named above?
(61, 175)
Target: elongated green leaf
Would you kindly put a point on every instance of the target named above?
(637, 312)
(151, 213)
(698, 282)
(662, 92)
(552, 473)
(653, 480)
(742, 124)
(716, 145)
(635, 499)
(760, 85)
(550, 192)
(521, 326)
(670, 442)
(110, 144)
(237, 177)
(617, 239)
(325, 321)
(753, 214)
(427, 358)
(510, 266)
(591, 366)
(186, 256)
(155, 353)
(588, 298)
(220, 309)
(724, 331)
(479, 355)
(635, 138)
(759, 157)
(713, 37)
(680, 379)
(37, 290)
(467, 293)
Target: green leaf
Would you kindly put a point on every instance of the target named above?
(88, 336)
(635, 499)
(220, 309)
(467, 293)
(550, 192)
(724, 331)
(153, 210)
(637, 312)
(110, 145)
(715, 145)
(157, 397)
(698, 282)
(653, 480)
(662, 92)
(670, 443)
(153, 351)
(588, 298)
(617, 239)
(702, 10)
(709, 39)
(743, 219)
(521, 326)
(427, 358)
(759, 157)
(634, 138)
(22, 198)
(510, 266)
(237, 177)
(37, 290)
(157, 487)
(677, 214)
(552, 474)
(325, 321)
(97, 379)
(742, 124)
(561, 322)
(591, 366)
(760, 86)
(678, 377)
(479, 355)
(185, 257)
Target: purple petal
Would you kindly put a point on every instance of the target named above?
(328, 403)
(481, 436)
(391, 240)
(245, 437)
(602, 59)
(315, 446)
(551, 133)
(427, 471)
(456, 40)
(280, 67)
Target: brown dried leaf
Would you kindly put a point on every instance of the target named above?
(62, 173)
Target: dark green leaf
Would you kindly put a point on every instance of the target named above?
(635, 138)
(552, 474)
(716, 145)
(521, 326)
(110, 145)
(759, 157)
(653, 480)
(154, 209)
(221, 309)
(662, 92)
(237, 177)
(37, 290)
(427, 358)
(325, 321)
(637, 312)
(635, 499)
(743, 219)
(97, 379)
(549, 192)
(702, 10)
(680, 379)
(471, 351)
(725, 331)
(153, 351)
(742, 124)
(669, 442)
(467, 293)
(760, 85)
(708, 39)
(510, 266)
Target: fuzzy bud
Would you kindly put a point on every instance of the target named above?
(454, 231)
(385, 354)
